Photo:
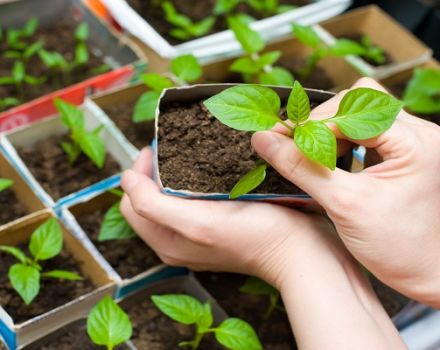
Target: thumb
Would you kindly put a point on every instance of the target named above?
(319, 182)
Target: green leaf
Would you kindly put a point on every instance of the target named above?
(268, 58)
(306, 35)
(47, 240)
(62, 275)
(249, 181)
(18, 72)
(5, 183)
(25, 280)
(246, 107)
(94, 148)
(286, 8)
(317, 142)
(202, 27)
(256, 286)
(186, 68)
(179, 307)
(365, 113)
(9, 102)
(206, 319)
(31, 80)
(30, 27)
(250, 40)
(108, 325)
(422, 94)
(236, 334)
(225, 6)
(344, 47)
(72, 151)
(33, 49)
(298, 105)
(277, 76)
(82, 32)
(156, 81)
(116, 192)
(145, 107)
(173, 17)
(181, 34)
(244, 65)
(15, 252)
(7, 81)
(71, 115)
(81, 54)
(114, 225)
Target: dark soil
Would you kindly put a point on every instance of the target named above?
(387, 56)
(10, 207)
(59, 36)
(53, 292)
(392, 301)
(139, 134)
(194, 9)
(275, 333)
(128, 257)
(49, 164)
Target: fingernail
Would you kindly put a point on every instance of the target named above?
(129, 180)
(266, 143)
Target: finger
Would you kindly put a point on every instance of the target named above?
(144, 162)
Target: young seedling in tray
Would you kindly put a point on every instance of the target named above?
(265, 7)
(363, 113)
(5, 184)
(340, 48)
(256, 66)
(82, 141)
(233, 333)
(108, 325)
(46, 243)
(183, 70)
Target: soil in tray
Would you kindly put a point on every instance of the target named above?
(10, 207)
(275, 333)
(59, 36)
(53, 292)
(196, 10)
(139, 134)
(128, 257)
(49, 164)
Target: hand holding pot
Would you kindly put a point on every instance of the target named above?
(387, 215)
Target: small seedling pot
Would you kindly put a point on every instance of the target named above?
(198, 93)
(406, 52)
(29, 135)
(125, 58)
(79, 216)
(17, 335)
(211, 46)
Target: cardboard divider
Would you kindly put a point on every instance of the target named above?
(403, 47)
(18, 335)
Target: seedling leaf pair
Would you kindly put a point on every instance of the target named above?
(422, 94)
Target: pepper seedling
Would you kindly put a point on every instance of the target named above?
(257, 66)
(46, 243)
(16, 40)
(108, 325)
(5, 184)
(256, 286)
(183, 70)
(340, 48)
(82, 141)
(184, 27)
(422, 94)
(363, 113)
(8, 102)
(232, 333)
(269, 7)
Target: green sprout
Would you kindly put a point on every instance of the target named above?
(46, 243)
(183, 70)
(257, 66)
(108, 325)
(422, 94)
(363, 113)
(340, 48)
(184, 27)
(82, 141)
(232, 333)
(269, 7)
(8, 102)
(16, 40)
(5, 184)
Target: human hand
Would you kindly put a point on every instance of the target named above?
(386, 215)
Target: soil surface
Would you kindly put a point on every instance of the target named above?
(10, 207)
(275, 333)
(139, 134)
(59, 36)
(53, 292)
(387, 56)
(128, 257)
(194, 9)
(47, 161)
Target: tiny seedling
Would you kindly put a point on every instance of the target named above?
(269, 7)
(46, 243)
(232, 333)
(257, 66)
(5, 184)
(108, 325)
(422, 94)
(256, 286)
(82, 141)
(363, 113)
(183, 70)
(184, 27)
(340, 48)
(8, 102)
(17, 41)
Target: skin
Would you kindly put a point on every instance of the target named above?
(304, 255)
